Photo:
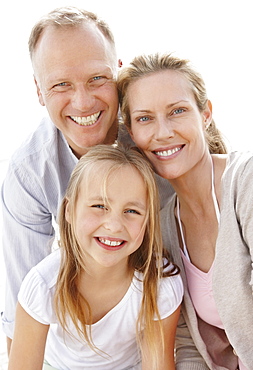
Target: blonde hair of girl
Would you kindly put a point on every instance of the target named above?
(147, 259)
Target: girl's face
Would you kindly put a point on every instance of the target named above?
(109, 231)
(166, 122)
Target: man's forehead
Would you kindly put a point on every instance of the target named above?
(82, 44)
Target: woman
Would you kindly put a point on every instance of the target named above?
(208, 223)
(109, 298)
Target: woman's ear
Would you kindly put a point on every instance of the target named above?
(208, 116)
(67, 211)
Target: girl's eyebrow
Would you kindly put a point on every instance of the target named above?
(137, 204)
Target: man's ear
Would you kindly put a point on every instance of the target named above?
(39, 92)
(120, 63)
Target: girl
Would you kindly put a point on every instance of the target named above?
(208, 223)
(110, 289)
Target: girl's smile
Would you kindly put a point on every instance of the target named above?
(110, 220)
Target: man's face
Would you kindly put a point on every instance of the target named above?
(75, 70)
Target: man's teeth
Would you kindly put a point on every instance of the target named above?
(110, 243)
(86, 121)
(167, 153)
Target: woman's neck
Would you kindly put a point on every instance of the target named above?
(195, 186)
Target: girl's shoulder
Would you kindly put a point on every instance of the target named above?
(37, 290)
(170, 294)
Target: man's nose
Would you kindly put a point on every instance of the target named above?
(83, 99)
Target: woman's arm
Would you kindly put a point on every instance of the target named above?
(166, 358)
(28, 345)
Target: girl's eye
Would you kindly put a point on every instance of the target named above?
(132, 211)
(101, 206)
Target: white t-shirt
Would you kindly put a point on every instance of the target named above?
(115, 333)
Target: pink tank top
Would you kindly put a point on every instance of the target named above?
(199, 282)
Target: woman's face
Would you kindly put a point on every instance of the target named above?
(166, 122)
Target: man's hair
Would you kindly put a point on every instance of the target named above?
(67, 17)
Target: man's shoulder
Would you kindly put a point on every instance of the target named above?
(39, 139)
(41, 144)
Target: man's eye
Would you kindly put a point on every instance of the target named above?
(98, 81)
(61, 86)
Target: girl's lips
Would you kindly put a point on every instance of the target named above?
(110, 243)
(165, 153)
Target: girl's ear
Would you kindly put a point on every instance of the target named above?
(67, 211)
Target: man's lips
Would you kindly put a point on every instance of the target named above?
(167, 152)
(86, 121)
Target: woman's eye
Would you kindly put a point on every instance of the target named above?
(178, 111)
(143, 119)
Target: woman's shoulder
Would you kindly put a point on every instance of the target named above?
(238, 164)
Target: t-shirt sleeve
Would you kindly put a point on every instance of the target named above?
(36, 298)
(170, 295)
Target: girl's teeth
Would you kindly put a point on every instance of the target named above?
(110, 243)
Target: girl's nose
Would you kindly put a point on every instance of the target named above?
(113, 223)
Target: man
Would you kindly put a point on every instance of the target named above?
(74, 60)
(75, 67)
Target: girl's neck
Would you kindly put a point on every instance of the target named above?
(97, 274)
(103, 289)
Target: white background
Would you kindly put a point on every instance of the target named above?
(215, 35)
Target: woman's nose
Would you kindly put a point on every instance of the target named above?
(164, 129)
